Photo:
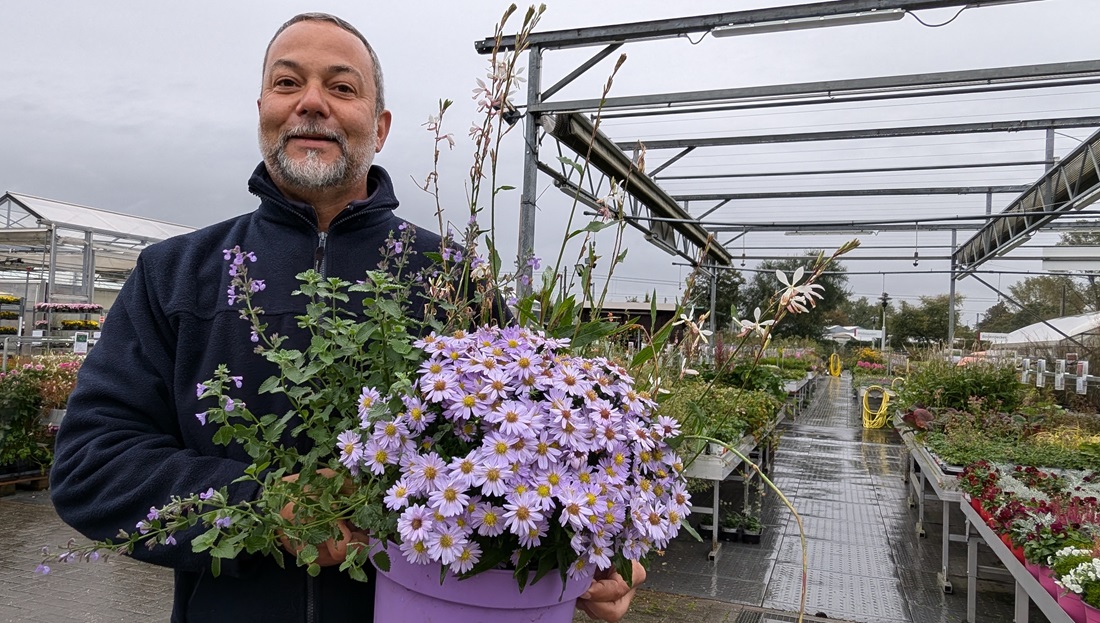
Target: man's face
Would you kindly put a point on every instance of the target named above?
(318, 128)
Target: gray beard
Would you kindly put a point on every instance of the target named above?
(311, 173)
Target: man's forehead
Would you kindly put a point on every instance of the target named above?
(344, 49)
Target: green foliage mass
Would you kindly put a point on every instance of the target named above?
(942, 384)
(723, 412)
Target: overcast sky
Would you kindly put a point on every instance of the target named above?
(149, 109)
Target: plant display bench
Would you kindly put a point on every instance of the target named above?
(923, 473)
(1027, 587)
(799, 392)
(717, 468)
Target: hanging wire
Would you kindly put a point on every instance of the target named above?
(927, 25)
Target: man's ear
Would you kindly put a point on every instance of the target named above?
(383, 129)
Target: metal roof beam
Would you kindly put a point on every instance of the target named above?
(1072, 184)
(666, 28)
(934, 167)
(855, 192)
(577, 132)
(974, 81)
(870, 133)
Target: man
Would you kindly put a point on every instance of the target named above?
(130, 440)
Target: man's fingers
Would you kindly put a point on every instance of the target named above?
(607, 610)
(606, 590)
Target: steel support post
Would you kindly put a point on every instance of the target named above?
(951, 295)
(530, 172)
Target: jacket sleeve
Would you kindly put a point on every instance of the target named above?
(120, 450)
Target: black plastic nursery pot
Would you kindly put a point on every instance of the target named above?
(729, 534)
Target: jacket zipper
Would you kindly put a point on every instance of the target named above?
(311, 615)
(319, 253)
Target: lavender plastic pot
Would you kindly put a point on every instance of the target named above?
(410, 592)
(1074, 607)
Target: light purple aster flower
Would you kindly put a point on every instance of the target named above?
(201, 417)
(223, 522)
(230, 404)
(350, 447)
(449, 499)
(206, 495)
(42, 569)
(169, 540)
(199, 389)
(521, 513)
(154, 514)
(237, 380)
(467, 558)
(415, 523)
(445, 542)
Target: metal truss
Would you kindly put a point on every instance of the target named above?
(1071, 185)
(678, 233)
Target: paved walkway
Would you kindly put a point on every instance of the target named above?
(866, 564)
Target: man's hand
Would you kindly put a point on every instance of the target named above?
(609, 597)
(333, 551)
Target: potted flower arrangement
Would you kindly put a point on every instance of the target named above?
(1083, 581)
(751, 529)
(26, 443)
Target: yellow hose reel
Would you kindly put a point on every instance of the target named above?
(834, 364)
(875, 418)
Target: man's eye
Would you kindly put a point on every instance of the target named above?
(344, 88)
(284, 82)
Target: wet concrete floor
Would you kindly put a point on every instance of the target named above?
(866, 562)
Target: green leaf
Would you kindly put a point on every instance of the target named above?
(382, 560)
(592, 227)
(505, 187)
(686, 525)
(205, 540)
(216, 566)
(390, 308)
(653, 310)
(308, 554)
(314, 569)
(570, 162)
(625, 567)
(592, 331)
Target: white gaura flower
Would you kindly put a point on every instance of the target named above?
(757, 326)
(795, 296)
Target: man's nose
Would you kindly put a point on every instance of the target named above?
(313, 101)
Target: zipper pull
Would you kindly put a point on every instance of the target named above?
(319, 253)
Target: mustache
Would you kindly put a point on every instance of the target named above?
(312, 130)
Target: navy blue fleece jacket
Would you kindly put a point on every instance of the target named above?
(130, 439)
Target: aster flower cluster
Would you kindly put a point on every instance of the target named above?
(509, 444)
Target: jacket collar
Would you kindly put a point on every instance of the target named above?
(380, 201)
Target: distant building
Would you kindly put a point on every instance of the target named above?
(842, 334)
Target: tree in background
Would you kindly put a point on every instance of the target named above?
(861, 313)
(763, 285)
(925, 323)
(1043, 297)
(730, 283)
(999, 318)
